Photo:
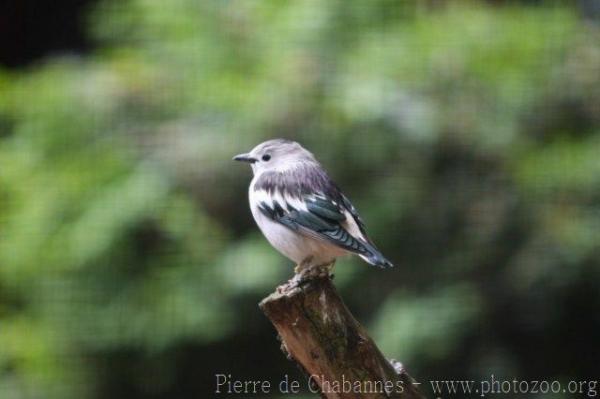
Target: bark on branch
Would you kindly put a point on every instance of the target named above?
(320, 334)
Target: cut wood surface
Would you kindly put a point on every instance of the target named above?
(320, 334)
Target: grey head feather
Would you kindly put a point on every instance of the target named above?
(279, 155)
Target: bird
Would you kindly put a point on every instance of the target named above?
(301, 211)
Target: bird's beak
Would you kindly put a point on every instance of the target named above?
(244, 158)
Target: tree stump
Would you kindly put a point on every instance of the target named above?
(320, 334)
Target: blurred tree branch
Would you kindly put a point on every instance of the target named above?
(320, 334)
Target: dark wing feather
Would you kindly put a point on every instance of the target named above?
(325, 208)
(375, 257)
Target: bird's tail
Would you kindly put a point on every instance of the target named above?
(374, 257)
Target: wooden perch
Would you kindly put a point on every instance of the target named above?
(320, 334)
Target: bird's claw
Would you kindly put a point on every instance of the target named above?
(303, 274)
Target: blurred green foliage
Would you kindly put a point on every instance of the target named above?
(466, 133)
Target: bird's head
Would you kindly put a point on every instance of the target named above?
(276, 155)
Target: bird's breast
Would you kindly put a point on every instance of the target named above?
(290, 243)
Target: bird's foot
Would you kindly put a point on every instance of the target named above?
(303, 266)
(304, 273)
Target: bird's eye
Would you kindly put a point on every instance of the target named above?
(266, 157)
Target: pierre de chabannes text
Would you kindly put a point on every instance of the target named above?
(225, 384)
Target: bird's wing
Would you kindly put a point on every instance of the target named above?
(316, 215)
(325, 218)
